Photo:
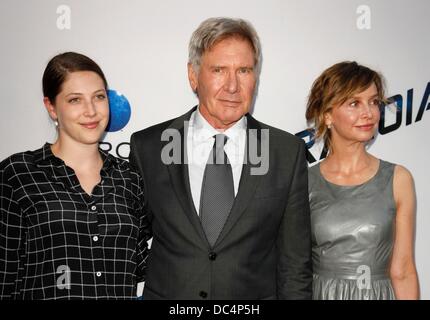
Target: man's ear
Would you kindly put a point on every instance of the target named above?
(192, 77)
(50, 108)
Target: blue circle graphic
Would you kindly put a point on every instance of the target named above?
(120, 111)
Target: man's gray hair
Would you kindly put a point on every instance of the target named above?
(213, 30)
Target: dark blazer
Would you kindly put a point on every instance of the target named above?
(264, 249)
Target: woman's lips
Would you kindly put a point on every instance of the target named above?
(90, 125)
(366, 127)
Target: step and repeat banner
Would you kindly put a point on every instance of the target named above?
(141, 45)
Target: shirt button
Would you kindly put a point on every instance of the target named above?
(203, 294)
(94, 208)
(98, 274)
(101, 182)
(95, 238)
(212, 256)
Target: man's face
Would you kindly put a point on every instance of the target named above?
(225, 82)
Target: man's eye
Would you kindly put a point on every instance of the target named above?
(353, 103)
(101, 96)
(244, 70)
(217, 70)
(74, 100)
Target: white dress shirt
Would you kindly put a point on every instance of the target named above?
(200, 142)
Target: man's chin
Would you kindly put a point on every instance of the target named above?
(231, 113)
(229, 121)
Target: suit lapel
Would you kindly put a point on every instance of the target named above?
(180, 179)
(248, 183)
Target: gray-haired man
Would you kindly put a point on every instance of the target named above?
(225, 226)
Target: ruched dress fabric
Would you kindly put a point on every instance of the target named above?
(352, 236)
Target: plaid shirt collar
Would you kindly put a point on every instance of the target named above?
(45, 155)
(61, 173)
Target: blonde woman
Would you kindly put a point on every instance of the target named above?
(362, 207)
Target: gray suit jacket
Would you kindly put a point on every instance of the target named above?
(264, 249)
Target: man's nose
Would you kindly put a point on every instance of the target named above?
(232, 82)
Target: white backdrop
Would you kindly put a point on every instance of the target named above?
(142, 47)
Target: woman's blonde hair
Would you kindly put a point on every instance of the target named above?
(336, 85)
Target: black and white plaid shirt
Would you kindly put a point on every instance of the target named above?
(58, 242)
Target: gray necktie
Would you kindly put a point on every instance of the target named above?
(217, 194)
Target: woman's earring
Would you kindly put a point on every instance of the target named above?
(329, 126)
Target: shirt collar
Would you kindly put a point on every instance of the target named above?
(46, 154)
(204, 131)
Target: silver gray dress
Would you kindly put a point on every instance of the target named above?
(352, 236)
